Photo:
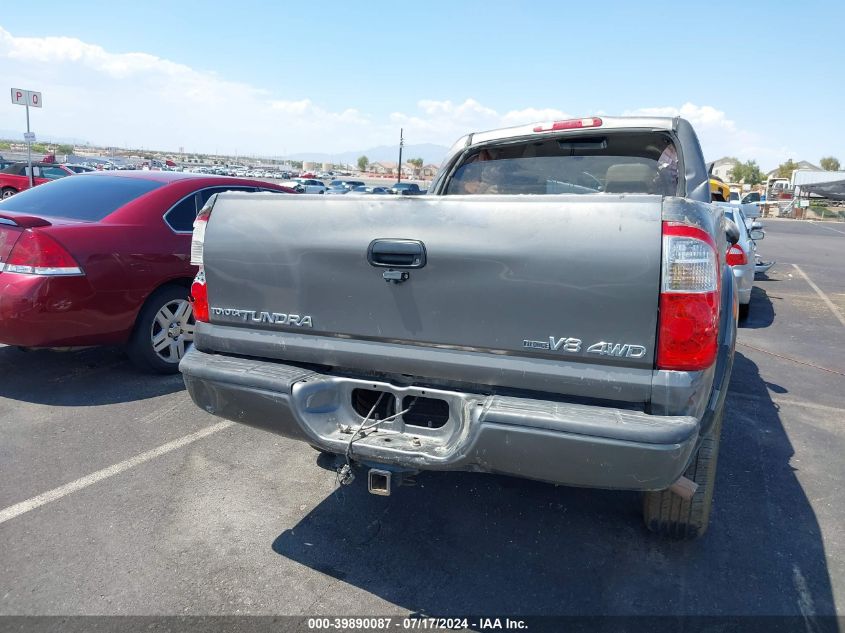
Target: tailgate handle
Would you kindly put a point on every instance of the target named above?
(396, 253)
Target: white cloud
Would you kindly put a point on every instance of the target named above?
(530, 115)
(719, 135)
(444, 121)
(142, 100)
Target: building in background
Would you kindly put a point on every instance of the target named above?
(723, 167)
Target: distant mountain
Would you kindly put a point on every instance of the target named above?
(429, 152)
(12, 135)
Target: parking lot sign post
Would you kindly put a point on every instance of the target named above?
(27, 98)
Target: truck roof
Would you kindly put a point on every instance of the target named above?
(604, 123)
(695, 170)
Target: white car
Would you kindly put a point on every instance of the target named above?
(742, 256)
(749, 203)
(309, 184)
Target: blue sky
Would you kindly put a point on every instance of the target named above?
(757, 80)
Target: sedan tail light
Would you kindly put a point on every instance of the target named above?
(689, 299)
(736, 256)
(36, 253)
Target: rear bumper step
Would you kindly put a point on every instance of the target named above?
(563, 443)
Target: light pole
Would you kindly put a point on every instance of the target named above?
(29, 148)
(401, 143)
(28, 98)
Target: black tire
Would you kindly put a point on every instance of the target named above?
(7, 192)
(148, 329)
(670, 515)
(744, 308)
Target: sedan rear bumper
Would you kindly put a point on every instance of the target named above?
(744, 276)
(44, 311)
(564, 443)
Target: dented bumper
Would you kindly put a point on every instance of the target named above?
(564, 443)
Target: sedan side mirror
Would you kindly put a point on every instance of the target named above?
(731, 231)
(757, 234)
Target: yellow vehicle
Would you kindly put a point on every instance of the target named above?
(719, 191)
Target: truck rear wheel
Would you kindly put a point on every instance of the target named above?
(669, 514)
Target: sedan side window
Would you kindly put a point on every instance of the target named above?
(206, 194)
(53, 172)
(181, 217)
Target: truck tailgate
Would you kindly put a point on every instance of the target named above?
(568, 278)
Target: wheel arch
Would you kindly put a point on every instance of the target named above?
(184, 282)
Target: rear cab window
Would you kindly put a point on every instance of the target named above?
(639, 162)
(84, 198)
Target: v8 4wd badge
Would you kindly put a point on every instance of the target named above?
(564, 343)
(617, 349)
(573, 345)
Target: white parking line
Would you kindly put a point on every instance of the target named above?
(819, 292)
(786, 402)
(62, 491)
(821, 225)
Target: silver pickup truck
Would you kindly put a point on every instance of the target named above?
(557, 307)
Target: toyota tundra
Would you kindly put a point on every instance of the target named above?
(557, 307)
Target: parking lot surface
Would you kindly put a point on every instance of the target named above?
(119, 496)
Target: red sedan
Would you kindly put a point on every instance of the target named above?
(15, 177)
(104, 259)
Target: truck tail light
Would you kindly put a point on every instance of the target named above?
(569, 124)
(687, 337)
(198, 237)
(736, 256)
(199, 297)
(36, 253)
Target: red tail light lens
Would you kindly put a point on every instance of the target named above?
(199, 297)
(736, 256)
(687, 338)
(36, 253)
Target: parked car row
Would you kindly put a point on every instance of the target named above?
(15, 177)
(242, 172)
(742, 256)
(343, 187)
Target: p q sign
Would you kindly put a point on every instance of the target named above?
(26, 97)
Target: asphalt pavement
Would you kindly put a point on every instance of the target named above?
(119, 496)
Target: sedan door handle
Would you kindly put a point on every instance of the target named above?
(391, 253)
